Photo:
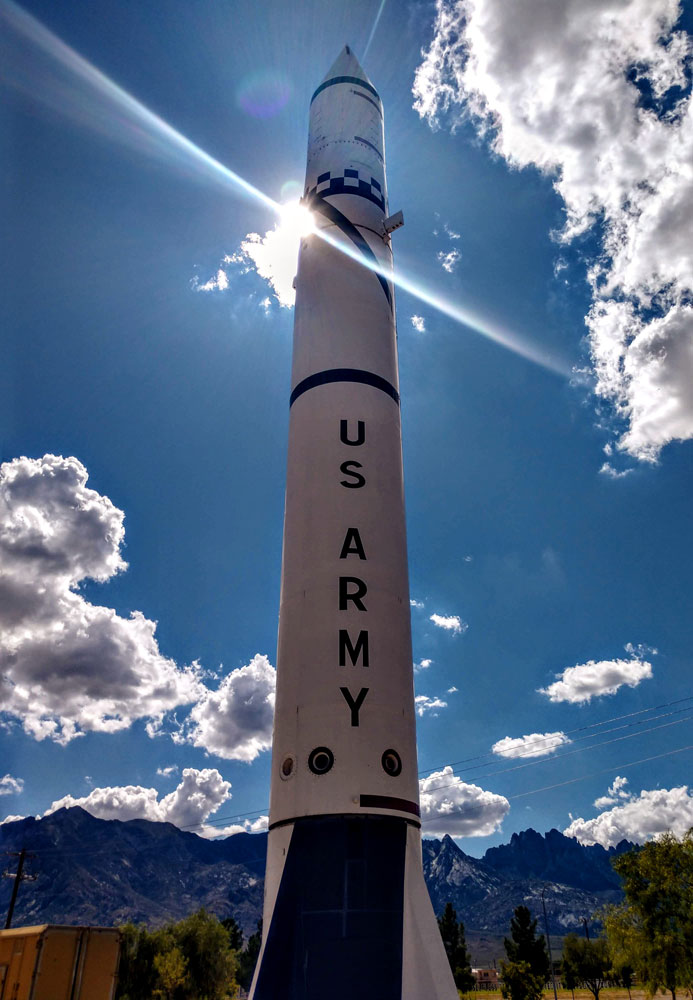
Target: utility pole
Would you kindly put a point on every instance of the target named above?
(18, 877)
(587, 931)
(548, 942)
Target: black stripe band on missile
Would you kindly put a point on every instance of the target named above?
(366, 142)
(359, 94)
(344, 375)
(389, 802)
(316, 203)
(404, 806)
(346, 79)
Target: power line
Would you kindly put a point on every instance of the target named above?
(581, 777)
(530, 752)
(219, 821)
(435, 819)
(605, 732)
(568, 732)
(531, 763)
(605, 770)
(569, 753)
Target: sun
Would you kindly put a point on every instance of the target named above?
(296, 220)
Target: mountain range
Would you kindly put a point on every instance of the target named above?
(96, 871)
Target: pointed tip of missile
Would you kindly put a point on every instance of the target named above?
(346, 64)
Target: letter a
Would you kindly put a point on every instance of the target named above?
(353, 546)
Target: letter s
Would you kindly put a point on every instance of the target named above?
(360, 480)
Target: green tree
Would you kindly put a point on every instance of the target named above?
(234, 932)
(589, 960)
(190, 960)
(527, 968)
(247, 960)
(569, 976)
(525, 946)
(136, 972)
(171, 969)
(622, 973)
(519, 982)
(211, 961)
(455, 944)
(653, 929)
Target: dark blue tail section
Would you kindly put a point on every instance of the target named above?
(336, 930)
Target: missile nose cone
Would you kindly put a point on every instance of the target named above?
(346, 64)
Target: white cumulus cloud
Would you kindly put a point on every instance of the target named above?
(218, 283)
(422, 664)
(533, 745)
(10, 785)
(620, 154)
(419, 324)
(595, 678)
(235, 721)
(68, 666)
(449, 259)
(616, 791)
(199, 794)
(449, 805)
(640, 818)
(273, 256)
(608, 470)
(451, 623)
(167, 772)
(424, 704)
(416, 604)
(247, 826)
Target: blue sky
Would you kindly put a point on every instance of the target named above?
(548, 482)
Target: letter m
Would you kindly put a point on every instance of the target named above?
(354, 651)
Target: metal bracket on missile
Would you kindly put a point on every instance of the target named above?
(393, 222)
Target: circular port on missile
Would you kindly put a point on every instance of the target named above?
(392, 763)
(320, 760)
(287, 768)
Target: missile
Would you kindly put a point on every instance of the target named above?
(346, 910)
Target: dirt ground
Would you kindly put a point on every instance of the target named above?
(608, 993)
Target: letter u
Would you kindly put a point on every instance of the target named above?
(360, 432)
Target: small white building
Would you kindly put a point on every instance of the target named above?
(486, 979)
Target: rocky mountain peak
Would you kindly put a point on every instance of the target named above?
(94, 871)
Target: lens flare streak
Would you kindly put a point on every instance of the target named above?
(118, 114)
(103, 106)
(512, 341)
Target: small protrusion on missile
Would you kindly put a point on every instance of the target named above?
(293, 285)
(393, 222)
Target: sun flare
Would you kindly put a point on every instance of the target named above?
(296, 220)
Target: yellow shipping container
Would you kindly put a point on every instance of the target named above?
(50, 962)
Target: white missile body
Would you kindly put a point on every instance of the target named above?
(346, 910)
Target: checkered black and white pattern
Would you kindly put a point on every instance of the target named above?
(349, 183)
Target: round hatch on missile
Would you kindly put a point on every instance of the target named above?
(392, 763)
(287, 766)
(320, 760)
